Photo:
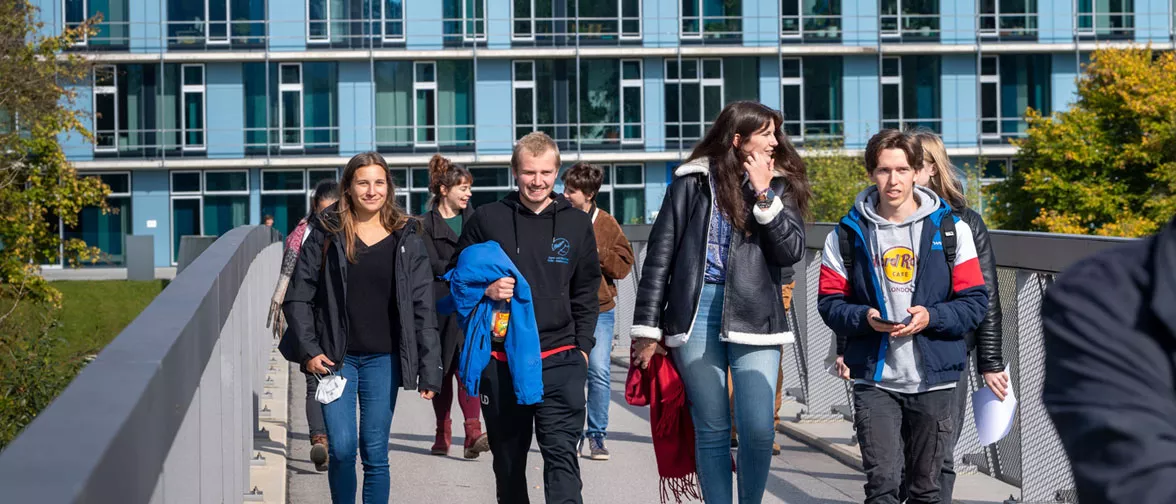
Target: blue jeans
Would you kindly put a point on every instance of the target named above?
(599, 379)
(703, 362)
(372, 378)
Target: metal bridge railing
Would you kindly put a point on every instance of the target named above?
(167, 412)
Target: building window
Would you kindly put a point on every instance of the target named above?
(491, 183)
(811, 19)
(811, 98)
(622, 193)
(192, 112)
(105, 98)
(1009, 85)
(1008, 18)
(106, 231)
(424, 105)
(207, 203)
(197, 23)
(465, 20)
(1113, 18)
(697, 89)
(424, 90)
(287, 194)
(910, 92)
(585, 19)
(290, 104)
(589, 103)
(712, 19)
(112, 31)
(393, 20)
(354, 23)
(913, 19)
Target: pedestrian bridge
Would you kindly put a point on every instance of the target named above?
(192, 403)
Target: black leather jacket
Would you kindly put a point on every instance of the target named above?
(675, 261)
(987, 338)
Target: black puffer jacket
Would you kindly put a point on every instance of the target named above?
(672, 276)
(315, 304)
(987, 338)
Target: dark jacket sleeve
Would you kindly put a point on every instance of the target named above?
(989, 333)
(471, 233)
(299, 303)
(424, 315)
(837, 304)
(659, 261)
(1108, 383)
(782, 238)
(962, 313)
(585, 285)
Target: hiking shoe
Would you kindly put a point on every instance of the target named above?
(318, 452)
(775, 448)
(596, 449)
(481, 444)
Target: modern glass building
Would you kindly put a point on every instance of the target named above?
(208, 114)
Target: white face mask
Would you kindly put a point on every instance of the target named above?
(330, 388)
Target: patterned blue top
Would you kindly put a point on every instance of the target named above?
(718, 242)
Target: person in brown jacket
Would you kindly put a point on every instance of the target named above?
(581, 185)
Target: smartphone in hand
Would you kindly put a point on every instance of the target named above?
(881, 320)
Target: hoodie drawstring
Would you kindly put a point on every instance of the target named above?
(515, 225)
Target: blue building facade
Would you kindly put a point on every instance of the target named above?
(209, 114)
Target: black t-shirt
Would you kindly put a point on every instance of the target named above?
(372, 316)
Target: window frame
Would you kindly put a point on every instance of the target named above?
(890, 80)
(112, 90)
(307, 188)
(284, 88)
(703, 83)
(612, 186)
(228, 22)
(466, 19)
(384, 20)
(514, 18)
(186, 89)
(327, 21)
(65, 24)
(693, 35)
(998, 119)
(797, 82)
(638, 83)
(418, 86)
(515, 85)
(60, 264)
(1094, 14)
(174, 195)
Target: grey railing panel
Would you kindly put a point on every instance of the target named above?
(108, 436)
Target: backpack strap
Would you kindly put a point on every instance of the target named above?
(845, 242)
(947, 236)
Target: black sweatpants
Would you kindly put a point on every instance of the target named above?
(557, 422)
(902, 433)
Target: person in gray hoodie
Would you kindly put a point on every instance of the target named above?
(903, 310)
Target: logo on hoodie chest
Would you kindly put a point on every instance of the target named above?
(560, 248)
(898, 264)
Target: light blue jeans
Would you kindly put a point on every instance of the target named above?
(371, 379)
(599, 376)
(703, 363)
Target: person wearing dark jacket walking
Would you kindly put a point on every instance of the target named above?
(449, 208)
(360, 305)
(553, 246)
(731, 224)
(581, 185)
(326, 193)
(903, 306)
(1110, 370)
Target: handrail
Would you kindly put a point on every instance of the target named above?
(107, 437)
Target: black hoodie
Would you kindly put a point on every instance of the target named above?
(556, 252)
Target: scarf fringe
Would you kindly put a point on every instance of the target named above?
(678, 488)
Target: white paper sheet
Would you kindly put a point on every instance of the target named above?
(994, 418)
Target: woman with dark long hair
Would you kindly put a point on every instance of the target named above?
(729, 231)
(360, 306)
(326, 193)
(449, 207)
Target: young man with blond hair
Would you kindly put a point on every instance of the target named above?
(553, 246)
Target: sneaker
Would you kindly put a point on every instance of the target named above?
(775, 448)
(596, 449)
(318, 452)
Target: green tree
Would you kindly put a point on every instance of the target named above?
(1107, 166)
(37, 186)
(836, 179)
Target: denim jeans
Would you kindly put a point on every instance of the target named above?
(371, 378)
(902, 435)
(599, 378)
(703, 361)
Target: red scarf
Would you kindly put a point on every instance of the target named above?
(661, 388)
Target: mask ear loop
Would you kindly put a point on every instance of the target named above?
(319, 377)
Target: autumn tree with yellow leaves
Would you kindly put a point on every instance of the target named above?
(1107, 166)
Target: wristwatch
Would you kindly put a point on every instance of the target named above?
(764, 199)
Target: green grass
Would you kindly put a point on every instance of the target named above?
(94, 312)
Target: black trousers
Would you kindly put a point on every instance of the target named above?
(903, 433)
(314, 409)
(557, 423)
(959, 407)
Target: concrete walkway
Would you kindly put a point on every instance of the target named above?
(800, 475)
